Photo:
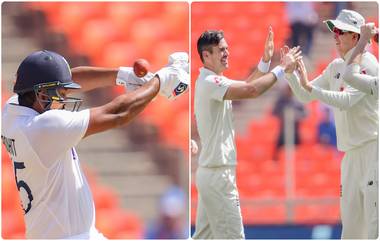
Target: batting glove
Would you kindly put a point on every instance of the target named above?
(181, 59)
(174, 78)
(129, 80)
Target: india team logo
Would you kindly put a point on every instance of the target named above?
(180, 89)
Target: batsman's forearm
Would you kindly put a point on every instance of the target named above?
(90, 78)
(122, 109)
(129, 105)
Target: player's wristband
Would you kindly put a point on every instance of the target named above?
(279, 72)
(263, 67)
(122, 76)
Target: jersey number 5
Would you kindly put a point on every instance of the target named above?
(22, 184)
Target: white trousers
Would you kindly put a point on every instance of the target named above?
(359, 192)
(218, 212)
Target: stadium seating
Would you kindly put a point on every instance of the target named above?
(264, 214)
(317, 213)
(116, 223)
(245, 32)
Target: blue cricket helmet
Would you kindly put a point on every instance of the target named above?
(43, 67)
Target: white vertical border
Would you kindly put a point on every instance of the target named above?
(189, 98)
(189, 123)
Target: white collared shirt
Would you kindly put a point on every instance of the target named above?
(214, 120)
(355, 112)
(52, 187)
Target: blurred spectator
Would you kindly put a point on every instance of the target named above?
(284, 101)
(339, 6)
(303, 19)
(172, 220)
(326, 128)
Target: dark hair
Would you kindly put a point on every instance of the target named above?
(27, 99)
(207, 40)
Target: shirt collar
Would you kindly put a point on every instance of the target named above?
(13, 107)
(348, 54)
(206, 71)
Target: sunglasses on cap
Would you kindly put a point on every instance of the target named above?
(339, 31)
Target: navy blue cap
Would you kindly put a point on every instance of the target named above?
(43, 67)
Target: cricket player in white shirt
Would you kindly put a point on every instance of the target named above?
(40, 135)
(218, 212)
(356, 120)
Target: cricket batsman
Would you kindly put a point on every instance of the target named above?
(40, 133)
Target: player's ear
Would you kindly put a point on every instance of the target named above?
(355, 36)
(205, 54)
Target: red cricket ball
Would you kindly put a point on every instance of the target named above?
(141, 67)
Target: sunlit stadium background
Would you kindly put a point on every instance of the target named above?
(131, 169)
(138, 174)
(296, 195)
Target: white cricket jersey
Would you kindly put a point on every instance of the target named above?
(355, 112)
(214, 120)
(53, 189)
(361, 81)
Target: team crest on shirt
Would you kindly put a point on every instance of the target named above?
(337, 76)
(218, 80)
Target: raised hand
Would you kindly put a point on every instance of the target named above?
(283, 51)
(269, 46)
(289, 58)
(368, 30)
(301, 69)
(175, 77)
